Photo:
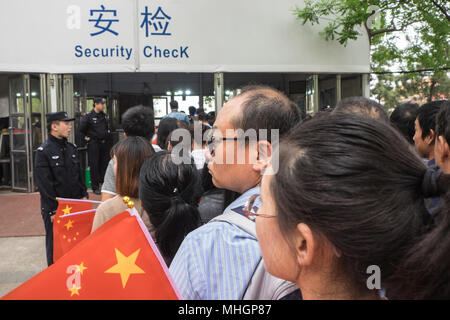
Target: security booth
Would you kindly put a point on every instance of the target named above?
(199, 53)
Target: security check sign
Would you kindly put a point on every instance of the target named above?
(61, 36)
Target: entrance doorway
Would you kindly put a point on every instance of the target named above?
(26, 129)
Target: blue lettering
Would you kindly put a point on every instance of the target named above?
(94, 52)
(166, 53)
(183, 51)
(157, 52)
(78, 51)
(128, 53)
(149, 54)
(87, 52)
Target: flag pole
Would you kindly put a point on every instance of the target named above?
(78, 200)
(77, 213)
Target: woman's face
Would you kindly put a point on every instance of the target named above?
(279, 258)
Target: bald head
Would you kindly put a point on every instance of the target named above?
(263, 107)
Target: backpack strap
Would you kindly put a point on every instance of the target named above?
(262, 285)
(238, 220)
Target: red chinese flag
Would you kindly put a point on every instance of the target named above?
(69, 231)
(118, 261)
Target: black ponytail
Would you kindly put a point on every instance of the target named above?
(170, 195)
(425, 272)
(173, 225)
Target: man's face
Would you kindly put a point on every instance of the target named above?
(227, 172)
(62, 129)
(422, 145)
(99, 107)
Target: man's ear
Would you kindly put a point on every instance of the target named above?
(445, 147)
(125, 135)
(264, 155)
(305, 245)
(429, 139)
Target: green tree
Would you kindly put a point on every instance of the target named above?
(426, 21)
(424, 24)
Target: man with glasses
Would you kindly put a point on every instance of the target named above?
(218, 260)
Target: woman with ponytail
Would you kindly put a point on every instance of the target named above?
(344, 216)
(169, 193)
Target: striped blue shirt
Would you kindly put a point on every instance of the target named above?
(217, 260)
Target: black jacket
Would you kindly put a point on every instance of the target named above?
(94, 125)
(58, 173)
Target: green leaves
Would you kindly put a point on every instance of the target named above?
(428, 21)
(410, 35)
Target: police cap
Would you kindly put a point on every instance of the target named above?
(99, 100)
(58, 116)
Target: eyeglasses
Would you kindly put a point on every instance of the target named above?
(211, 141)
(250, 209)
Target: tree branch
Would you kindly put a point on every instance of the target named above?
(443, 10)
(412, 71)
(374, 33)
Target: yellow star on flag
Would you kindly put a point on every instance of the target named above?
(74, 290)
(125, 266)
(69, 225)
(67, 210)
(81, 267)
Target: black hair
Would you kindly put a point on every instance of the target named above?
(363, 107)
(202, 116)
(139, 121)
(49, 125)
(165, 127)
(403, 118)
(170, 195)
(192, 110)
(173, 104)
(200, 138)
(427, 116)
(207, 184)
(443, 121)
(356, 182)
(211, 118)
(266, 108)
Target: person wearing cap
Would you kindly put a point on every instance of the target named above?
(57, 172)
(94, 129)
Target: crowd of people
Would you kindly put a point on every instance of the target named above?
(308, 211)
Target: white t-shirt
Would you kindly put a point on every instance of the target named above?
(199, 158)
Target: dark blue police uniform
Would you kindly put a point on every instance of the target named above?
(58, 173)
(95, 127)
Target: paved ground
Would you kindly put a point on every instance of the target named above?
(22, 241)
(21, 259)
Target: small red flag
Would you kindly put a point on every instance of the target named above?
(118, 261)
(68, 229)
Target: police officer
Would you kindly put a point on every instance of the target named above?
(94, 128)
(57, 172)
